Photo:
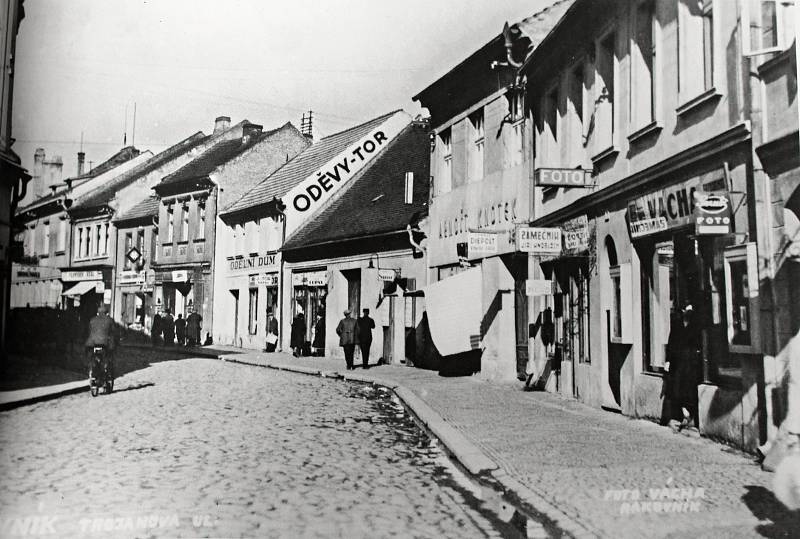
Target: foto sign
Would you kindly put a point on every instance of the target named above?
(538, 287)
(712, 213)
(539, 240)
(563, 177)
(481, 244)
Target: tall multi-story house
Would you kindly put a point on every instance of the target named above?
(13, 177)
(46, 231)
(189, 197)
(480, 195)
(646, 114)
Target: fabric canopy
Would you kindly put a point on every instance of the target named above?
(81, 288)
(454, 311)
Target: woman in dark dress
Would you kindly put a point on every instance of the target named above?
(298, 336)
(319, 335)
(683, 353)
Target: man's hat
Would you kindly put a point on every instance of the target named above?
(102, 308)
(347, 311)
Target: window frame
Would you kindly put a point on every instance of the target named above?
(639, 118)
(692, 31)
(475, 170)
(744, 253)
(602, 148)
(252, 316)
(446, 138)
(46, 239)
(780, 29)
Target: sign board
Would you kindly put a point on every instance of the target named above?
(539, 240)
(387, 275)
(538, 287)
(310, 278)
(107, 296)
(480, 244)
(180, 276)
(251, 263)
(576, 234)
(133, 255)
(150, 276)
(81, 275)
(131, 277)
(100, 287)
(712, 213)
(662, 210)
(147, 288)
(563, 177)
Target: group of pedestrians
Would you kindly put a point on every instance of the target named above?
(165, 329)
(297, 341)
(354, 332)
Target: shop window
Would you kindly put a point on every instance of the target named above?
(768, 26)
(476, 149)
(643, 77)
(742, 308)
(658, 296)
(605, 87)
(696, 48)
(445, 180)
(619, 305)
(252, 324)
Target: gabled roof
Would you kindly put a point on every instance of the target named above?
(374, 203)
(145, 209)
(304, 164)
(104, 194)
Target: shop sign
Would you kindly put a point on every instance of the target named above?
(712, 213)
(134, 255)
(180, 276)
(387, 275)
(481, 244)
(268, 279)
(563, 177)
(26, 272)
(662, 210)
(146, 288)
(311, 278)
(254, 263)
(576, 234)
(539, 240)
(81, 275)
(131, 277)
(538, 287)
(150, 276)
(100, 288)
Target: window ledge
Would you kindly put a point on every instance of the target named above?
(229, 257)
(605, 154)
(44, 256)
(63, 251)
(649, 129)
(184, 242)
(655, 374)
(696, 102)
(199, 240)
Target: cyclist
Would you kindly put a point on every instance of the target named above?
(101, 333)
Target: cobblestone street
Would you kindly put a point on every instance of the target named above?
(199, 447)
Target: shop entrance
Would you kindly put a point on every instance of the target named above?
(235, 294)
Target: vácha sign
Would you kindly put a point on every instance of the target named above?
(662, 210)
(539, 240)
(712, 213)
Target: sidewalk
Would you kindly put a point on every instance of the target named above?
(592, 473)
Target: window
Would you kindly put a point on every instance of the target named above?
(513, 133)
(476, 150)
(99, 239)
(46, 239)
(446, 173)
(127, 264)
(140, 241)
(550, 153)
(106, 236)
(170, 224)
(695, 48)
(575, 97)
(643, 80)
(61, 236)
(201, 220)
(616, 305)
(768, 26)
(604, 93)
(252, 324)
(30, 241)
(79, 243)
(185, 223)
(658, 299)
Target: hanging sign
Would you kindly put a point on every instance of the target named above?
(268, 279)
(576, 234)
(311, 278)
(712, 213)
(538, 287)
(662, 210)
(133, 255)
(180, 276)
(150, 277)
(539, 240)
(481, 244)
(563, 177)
(387, 275)
(131, 277)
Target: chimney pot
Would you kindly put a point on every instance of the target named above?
(222, 123)
(81, 159)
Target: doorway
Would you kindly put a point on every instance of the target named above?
(235, 294)
(519, 271)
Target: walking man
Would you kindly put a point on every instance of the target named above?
(346, 330)
(155, 328)
(168, 324)
(193, 325)
(365, 327)
(180, 330)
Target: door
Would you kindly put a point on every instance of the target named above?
(235, 294)
(520, 272)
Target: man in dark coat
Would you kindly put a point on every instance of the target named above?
(193, 326)
(365, 327)
(272, 331)
(346, 330)
(180, 330)
(101, 333)
(683, 354)
(298, 336)
(319, 335)
(168, 323)
(155, 329)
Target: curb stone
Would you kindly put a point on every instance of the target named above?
(75, 387)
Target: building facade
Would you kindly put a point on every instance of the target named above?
(644, 165)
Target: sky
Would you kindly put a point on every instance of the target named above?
(82, 65)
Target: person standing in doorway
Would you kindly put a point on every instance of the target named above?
(155, 328)
(168, 324)
(346, 330)
(272, 331)
(319, 335)
(298, 336)
(193, 326)
(683, 354)
(365, 327)
(180, 330)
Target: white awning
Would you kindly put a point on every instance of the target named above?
(454, 310)
(81, 288)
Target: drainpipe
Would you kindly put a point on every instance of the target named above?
(278, 206)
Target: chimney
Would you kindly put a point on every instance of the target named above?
(81, 159)
(307, 126)
(52, 171)
(222, 123)
(250, 131)
(37, 178)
